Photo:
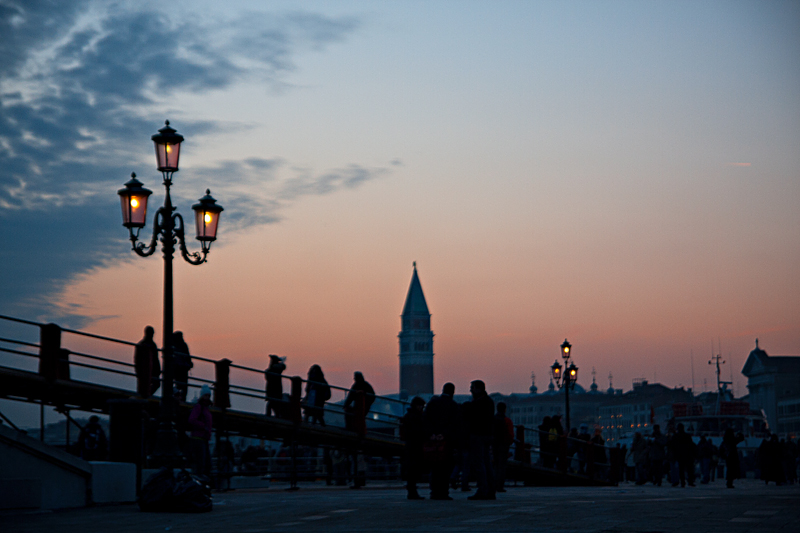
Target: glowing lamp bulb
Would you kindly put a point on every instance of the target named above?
(134, 202)
(566, 349)
(169, 148)
(207, 218)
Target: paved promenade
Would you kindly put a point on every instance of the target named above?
(751, 506)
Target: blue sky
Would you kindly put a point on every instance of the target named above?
(620, 173)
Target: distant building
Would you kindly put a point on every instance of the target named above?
(416, 343)
(774, 385)
(638, 409)
(529, 410)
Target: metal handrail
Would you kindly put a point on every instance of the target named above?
(234, 389)
(23, 343)
(17, 352)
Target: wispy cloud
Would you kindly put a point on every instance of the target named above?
(82, 82)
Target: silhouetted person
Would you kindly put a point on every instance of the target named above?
(479, 415)
(770, 454)
(640, 450)
(672, 456)
(200, 427)
(503, 439)
(147, 365)
(360, 398)
(546, 452)
(583, 447)
(226, 458)
(272, 374)
(556, 440)
(684, 454)
(657, 455)
(616, 456)
(181, 364)
(360, 385)
(317, 393)
(789, 460)
(705, 450)
(460, 473)
(92, 441)
(442, 426)
(729, 452)
(572, 446)
(598, 451)
(412, 432)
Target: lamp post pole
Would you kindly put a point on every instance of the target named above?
(169, 225)
(566, 402)
(166, 447)
(568, 380)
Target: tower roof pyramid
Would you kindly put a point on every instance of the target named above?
(415, 300)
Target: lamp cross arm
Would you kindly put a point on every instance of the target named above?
(194, 258)
(158, 229)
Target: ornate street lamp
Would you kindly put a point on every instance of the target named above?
(556, 371)
(169, 225)
(568, 379)
(565, 348)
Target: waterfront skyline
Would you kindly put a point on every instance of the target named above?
(620, 174)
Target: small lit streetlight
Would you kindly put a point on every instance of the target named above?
(567, 381)
(169, 225)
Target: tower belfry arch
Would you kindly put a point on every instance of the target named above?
(416, 342)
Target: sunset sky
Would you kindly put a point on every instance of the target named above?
(621, 174)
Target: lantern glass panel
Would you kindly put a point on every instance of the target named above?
(167, 156)
(134, 210)
(206, 224)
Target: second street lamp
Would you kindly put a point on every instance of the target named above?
(169, 225)
(568, 379)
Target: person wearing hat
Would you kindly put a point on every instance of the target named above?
(200, 426)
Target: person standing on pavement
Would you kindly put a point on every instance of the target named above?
(728, 451)
(640, 452)
(705, 450)
(684, 454)
(503, 439)
(657, 455)
(200, 426)
(442, 421)
(479, 419)
(412, 432)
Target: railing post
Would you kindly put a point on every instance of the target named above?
(53, 360)
(359, 414)
(521, 450)
(222, 398)
(295, 413)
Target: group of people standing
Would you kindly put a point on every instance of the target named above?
(676, 456)
(148, 366)
(445, 438)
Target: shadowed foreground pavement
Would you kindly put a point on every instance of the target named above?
(751, 506)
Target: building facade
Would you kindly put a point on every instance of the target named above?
(772, 381)
(416, 343)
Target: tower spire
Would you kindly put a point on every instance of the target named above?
(416, 342)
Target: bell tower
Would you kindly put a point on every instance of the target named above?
(416, 342)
